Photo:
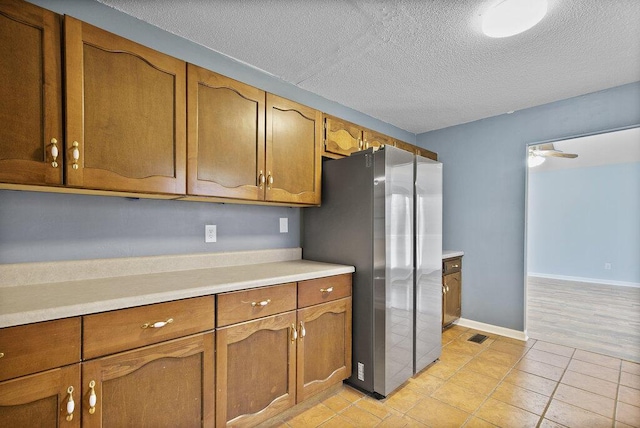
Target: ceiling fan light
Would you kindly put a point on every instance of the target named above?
(511, 17)
(534, 160)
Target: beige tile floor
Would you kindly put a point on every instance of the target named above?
(502, 382)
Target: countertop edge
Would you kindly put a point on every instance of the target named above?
(449, 254)
(300, 271)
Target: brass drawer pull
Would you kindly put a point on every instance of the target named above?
(294, 333)
(303, 331)
(326, 290)
(1, 354)
(75, 153)
(158, 324)
(455, 266)
(260, 304)
(54, 152)
(93, 399)
(71, 405)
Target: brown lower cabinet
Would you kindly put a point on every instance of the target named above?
(170, 384)
(41, 399)
(273, 347)
(451, 290)
(267, 365)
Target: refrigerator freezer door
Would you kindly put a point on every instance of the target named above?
(393, 268)
(428, 322)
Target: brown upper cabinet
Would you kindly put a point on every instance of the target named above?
(341, 138)
(229, 154)
(30, 95)
(376, 139)
(126, 114)
(225, 136)
(294, 152)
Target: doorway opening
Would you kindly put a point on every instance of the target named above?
(582, 286)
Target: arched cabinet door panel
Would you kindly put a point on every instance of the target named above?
(294, 151)
(126, 114)
(225, 136)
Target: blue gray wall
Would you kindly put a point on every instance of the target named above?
(576, 223)
(484, 191)
(44, 227)
(51, 226)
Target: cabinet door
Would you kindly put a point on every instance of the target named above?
(225, 138)
(126, 114)
(255, 370)
(170, 384)
(341, 137)
(294, 151)
(42, 399)
(324, 346)
(30, 95)
(375, 139)
(452, 297)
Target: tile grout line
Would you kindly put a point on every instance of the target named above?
(544, 412)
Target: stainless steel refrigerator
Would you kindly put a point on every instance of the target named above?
(382, 213)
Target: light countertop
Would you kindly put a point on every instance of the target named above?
(448, 254)
(27, 303)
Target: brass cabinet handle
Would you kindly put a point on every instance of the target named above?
(444, 290)
(269, 180)
(326, 290)
(360, 144)
(294, 333)
(303, 331)
(1, 354)
(366, 145)
(71, 405)
(455, 266)
(260, 304)
(54, 152)
(447, 288)
(76, 154)
(93, 399)
(157, 324)
(261, 179)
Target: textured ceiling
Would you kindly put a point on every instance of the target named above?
(416, 64)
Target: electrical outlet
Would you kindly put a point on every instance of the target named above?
(210, 234)
(607, 266)
(360, 371)
(284, 225)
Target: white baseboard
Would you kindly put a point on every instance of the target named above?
(581, 279)
(490, 328)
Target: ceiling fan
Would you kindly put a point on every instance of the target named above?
(538, 153)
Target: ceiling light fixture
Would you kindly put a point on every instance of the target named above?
(511, 17)
(534, 160)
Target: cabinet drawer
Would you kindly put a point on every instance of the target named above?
(322, 290)
(452, 265)
(36, 347)
(116, 331)
(239, 306)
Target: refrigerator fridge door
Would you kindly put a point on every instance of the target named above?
(428, 274)
(393, 268)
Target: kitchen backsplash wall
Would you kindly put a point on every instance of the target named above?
(36, 227)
